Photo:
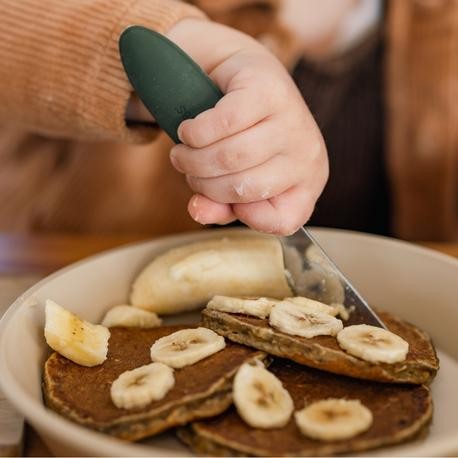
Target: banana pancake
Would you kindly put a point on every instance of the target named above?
(82, 394)
(323, 352)
(400, 413)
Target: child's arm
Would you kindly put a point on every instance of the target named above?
(258, 155)
(60, 71)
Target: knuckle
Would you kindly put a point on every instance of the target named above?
(224, 160)
(245, 76)
(192, 133)
(282, 93)
(274, 90)
(228, 160)
(227, 122)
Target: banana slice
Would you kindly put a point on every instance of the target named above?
(260, 398)
(334, 419)
(373, 344)
(82, 342)
(130, 317)
(187, 277)
(311, 305)
(140, 386)
(259, 307)
(292, 319)
(186, 347)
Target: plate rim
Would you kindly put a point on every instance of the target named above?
(75, 435)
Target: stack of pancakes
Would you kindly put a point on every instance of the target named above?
(200, 402)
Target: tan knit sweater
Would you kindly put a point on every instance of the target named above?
(67, 159)
(69, 162)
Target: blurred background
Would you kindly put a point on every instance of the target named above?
(380, 77)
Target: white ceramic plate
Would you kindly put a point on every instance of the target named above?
(417, 284)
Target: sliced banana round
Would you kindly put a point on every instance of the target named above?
(260, 398)
(373, 344)
(311, 305)
(140, 386)
(186, 347)
(293, 319)
(334, 419)
(82, 342)
(130, 317)
(259, 307)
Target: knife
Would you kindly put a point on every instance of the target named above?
(173, 88)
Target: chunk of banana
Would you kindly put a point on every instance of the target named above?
(82, 342)
(260, 398)
(259, 307)
(140, 386)
(186, 347)
(130, 317)
(373, 344)
(293, 319)
(315, 256)
(187, 277)
(334, 419)
(342, 311)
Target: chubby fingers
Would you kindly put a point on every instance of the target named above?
(280, 215)
(236, 111)
(251, 185)
(242, 151)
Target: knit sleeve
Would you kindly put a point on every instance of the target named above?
(60, 71)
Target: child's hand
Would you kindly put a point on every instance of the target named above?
(257, 155)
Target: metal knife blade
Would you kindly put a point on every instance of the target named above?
(173, 88)
(314, 275)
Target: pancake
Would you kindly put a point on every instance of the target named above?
(323, 352)
(400, 412)
(82, 394)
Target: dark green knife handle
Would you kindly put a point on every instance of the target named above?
(169, 83)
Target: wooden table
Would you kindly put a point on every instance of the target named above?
(24, 258)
